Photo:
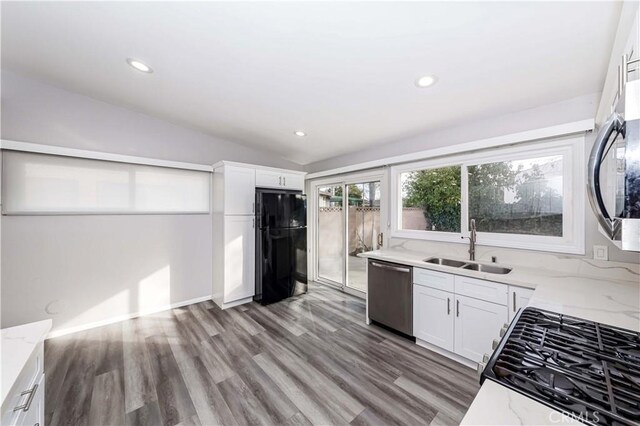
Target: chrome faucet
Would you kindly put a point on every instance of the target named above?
(472, 240)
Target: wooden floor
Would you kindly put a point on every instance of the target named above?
(307, 360)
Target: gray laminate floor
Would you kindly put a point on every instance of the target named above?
(307, 360)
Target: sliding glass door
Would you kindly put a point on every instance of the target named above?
(348, 222)
(363, 230)
(330, 234)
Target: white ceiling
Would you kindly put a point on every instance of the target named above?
(342, 72)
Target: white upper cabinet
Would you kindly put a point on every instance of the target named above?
(267, 178)
(518, 299)
(239, 190)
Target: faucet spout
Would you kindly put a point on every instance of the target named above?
(472, 240)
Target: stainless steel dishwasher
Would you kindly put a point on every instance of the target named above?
(391, 295)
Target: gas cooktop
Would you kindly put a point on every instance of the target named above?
(588, 371)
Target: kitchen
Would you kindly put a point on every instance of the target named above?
(325, 213)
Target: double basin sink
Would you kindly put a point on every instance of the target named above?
(480, 267)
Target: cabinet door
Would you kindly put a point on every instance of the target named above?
(35, 414)
(293, 181)
(240, 190)
(433, 316)
(268, 179)
(477, 323)
(518, 298)
(239, 257)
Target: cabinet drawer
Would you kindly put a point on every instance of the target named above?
(29, 376)
(481, 289)
(433, 279)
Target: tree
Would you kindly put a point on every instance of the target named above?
(355, 194)
(437, 193)
(487, 186)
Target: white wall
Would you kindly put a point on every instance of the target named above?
(82, 269)
(563, 112)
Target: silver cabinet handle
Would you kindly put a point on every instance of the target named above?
(284, 181)
(448, 306)
(392, 268)
(280, 180)
(253, 222)
(32, 393)
(514, 301)
(614, 124)
(253, 207)
(457, 307)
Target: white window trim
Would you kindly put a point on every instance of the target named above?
(573, 239)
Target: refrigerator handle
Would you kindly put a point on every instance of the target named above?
(614, 124)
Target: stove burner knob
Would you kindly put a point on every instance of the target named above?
(503, 331)
(481, 367)
(485, 358)
(495, 344)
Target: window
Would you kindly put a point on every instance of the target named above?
(527, 196)
(431, 199)
(49, 184)
(517, 197)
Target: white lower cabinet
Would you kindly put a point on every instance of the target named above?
(239, 258)
(518, 298)
(34, 416)
(477, 323)
(458, 323)
(433, 319)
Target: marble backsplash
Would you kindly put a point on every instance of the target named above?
(569, 264)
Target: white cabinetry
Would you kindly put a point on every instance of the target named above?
(477, 323)
(432, 316)
(459, 314)
(273, 178)
(233, 235)
(518, 299)
(23, 378)
(239, 190)
(239, 257)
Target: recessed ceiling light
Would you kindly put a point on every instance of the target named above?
(299, 133)
(426, 81)
(139, 65)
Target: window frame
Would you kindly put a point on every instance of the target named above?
(573, 198)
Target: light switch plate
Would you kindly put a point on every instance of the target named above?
(601, 253)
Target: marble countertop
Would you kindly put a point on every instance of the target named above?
(605, 300)
(18, 344)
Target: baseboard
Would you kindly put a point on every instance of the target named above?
(112, 320)
(236, 303)
(464, 361)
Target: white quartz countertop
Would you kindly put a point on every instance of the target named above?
(18, 344)
(614, 302)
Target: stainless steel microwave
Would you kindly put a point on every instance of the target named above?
(614, 167)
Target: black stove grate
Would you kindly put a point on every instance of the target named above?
(587, 370)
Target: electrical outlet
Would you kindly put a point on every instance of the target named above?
(601, 253)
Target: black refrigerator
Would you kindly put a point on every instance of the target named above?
(281, 245)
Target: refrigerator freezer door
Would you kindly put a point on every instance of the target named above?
(279, 209)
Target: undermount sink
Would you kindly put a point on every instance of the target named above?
(480, 267)
(445, 262)
(491, 269)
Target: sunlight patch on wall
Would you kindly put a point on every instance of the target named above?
(154, 291)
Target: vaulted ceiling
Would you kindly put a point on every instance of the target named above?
(342, 72)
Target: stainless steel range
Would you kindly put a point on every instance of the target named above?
(587, 370)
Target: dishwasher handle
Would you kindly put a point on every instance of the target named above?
(392, 268)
